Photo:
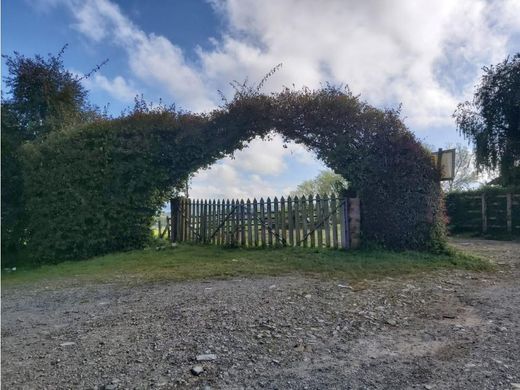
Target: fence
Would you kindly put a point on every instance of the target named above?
(315, 222)
(484, 213)
(161, 226)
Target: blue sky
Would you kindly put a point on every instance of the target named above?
(426, 56)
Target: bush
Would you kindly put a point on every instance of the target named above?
(95, 189)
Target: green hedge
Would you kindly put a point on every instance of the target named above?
(95, 189)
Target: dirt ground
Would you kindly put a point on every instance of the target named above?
(442, 330)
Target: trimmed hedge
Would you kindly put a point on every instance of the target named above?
(95, 189)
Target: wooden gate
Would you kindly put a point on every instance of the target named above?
(325, 221)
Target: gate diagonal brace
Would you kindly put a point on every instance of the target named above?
(321, 222)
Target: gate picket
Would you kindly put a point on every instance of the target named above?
(255, 222)
(290, 221)
(283, 223)
(319, 221)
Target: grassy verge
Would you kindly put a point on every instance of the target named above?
(198, 262)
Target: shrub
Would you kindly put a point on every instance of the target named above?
(95, 189)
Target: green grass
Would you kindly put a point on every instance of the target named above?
(188, 262)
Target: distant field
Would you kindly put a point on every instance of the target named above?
(187, 262)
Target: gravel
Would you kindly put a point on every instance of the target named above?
(442, 330)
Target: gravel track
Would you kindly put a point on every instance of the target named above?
(441, 330)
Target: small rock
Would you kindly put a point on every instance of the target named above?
(502, 329)
(459, 326)
(344, 286)
(515, 385)
(391, 322)
(308, 296)
(110, 387)
(299, 348)
(197, 370)
(206, 357)
(428, 387)
(174, 245)
(67, 344)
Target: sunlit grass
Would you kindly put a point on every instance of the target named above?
(187, 262)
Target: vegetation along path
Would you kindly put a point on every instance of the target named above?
(441, 329)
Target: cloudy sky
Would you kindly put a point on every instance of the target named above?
(426, 56)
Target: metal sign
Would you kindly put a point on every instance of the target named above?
(446, 163)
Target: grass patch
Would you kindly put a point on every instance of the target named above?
(188, 262)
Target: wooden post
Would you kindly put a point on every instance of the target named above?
(276, 214)
(255, 223)
(509, 215)
(174, 212)
(312, 223)
(354, 222)
(484, 213)
(269, 222)
(343, 223)
(334, 222)
(319, 220)
(242, 223)
(283, 218)
(303, 208)
(326, 224)
(290, 221)
(297, 214)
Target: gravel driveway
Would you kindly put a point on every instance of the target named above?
(442, 330)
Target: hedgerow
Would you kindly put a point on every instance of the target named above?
(95, 189)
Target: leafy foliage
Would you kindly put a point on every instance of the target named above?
(43, 97)
(94, 189)
(327, 182)
(492, 119)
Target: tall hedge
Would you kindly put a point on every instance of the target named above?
(95, 189)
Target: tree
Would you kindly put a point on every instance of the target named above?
(327, 182)
(492, 120)
(466, 173)
(42, 97)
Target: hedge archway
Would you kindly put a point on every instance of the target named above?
(96, 189)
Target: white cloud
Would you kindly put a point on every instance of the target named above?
(153, 59)
(223, 181)
(117, 87)
(387, 51)
(253, 171)
(427, 55)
